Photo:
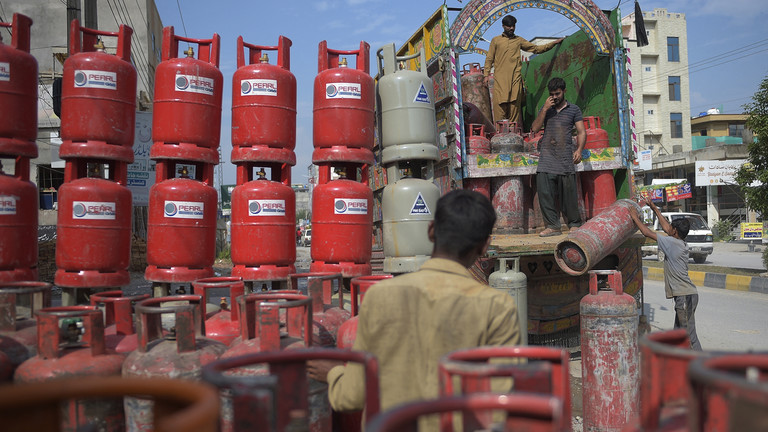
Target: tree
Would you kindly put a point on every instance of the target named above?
(756, 170)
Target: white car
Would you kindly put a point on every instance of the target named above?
(699, 237)
(306, 237)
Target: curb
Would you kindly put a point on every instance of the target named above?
(716, 280)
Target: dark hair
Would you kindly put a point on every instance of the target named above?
(509, 21)
(463, 220)
(682, 226)
(556, 83)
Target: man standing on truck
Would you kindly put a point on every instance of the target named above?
(555, 175)
(677, 283)
(504, 57)
(411, 321)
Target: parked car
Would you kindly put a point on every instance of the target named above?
(306, 237)
(699, 237)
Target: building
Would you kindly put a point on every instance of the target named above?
(658, 76)
(50, 33)
(707, 129)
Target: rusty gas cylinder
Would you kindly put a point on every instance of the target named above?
(18, 327)
(327, 318)
(119, 332)
(223, 325)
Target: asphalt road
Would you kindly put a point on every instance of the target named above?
(732, 254)
(725, 319)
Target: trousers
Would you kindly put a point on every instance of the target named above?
(562, 186)
(685, 307)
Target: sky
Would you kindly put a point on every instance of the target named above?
(727, 51)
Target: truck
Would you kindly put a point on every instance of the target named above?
(593, 63)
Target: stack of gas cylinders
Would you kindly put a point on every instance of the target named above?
(98, 111)
(186, 125)
(18, 131)
(264, 136)
(409, 151)
(343, 136)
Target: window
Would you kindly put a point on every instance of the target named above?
(703, 132)
(647, 68)
(650, 112)
(673, 49)
(674, 88)
(735, 130)
(676, 125)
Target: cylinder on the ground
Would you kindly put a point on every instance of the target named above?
(594, 240)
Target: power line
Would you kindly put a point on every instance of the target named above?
(182, 19)
(117, 23)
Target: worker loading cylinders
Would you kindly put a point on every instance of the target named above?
(93, 227)
(18, 89)
(263, 104)
(98, 97)
(263, 224)
(186, 122)
(343, 116)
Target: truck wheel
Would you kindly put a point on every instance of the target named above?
(660, 256)
(699, 259)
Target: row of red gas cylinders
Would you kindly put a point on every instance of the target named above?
(343, 136)
(18, 131)
(515, 197)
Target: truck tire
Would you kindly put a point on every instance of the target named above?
(699, 259)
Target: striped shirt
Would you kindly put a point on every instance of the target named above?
(557, 146)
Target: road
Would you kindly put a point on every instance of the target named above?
(725, 319)
(732, 254)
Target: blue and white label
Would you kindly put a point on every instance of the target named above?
(95, 79)
(8, 204)
(350, 206)
(258, 87)
(194, 84)
(266, 207)
(420, 206)
(343, 91)
(422, 95)
(184, 209)
(5, 71)
(94, 210)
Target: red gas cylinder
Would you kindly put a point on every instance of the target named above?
(180, 354)
(343, 107)
(327, 318)
(544, 371)
(71, 344)
(729, 393)
(119, 333)
(181, 227)
(478, 144)
(508, 138)
(263, 213)
(263, 104)
(93, 229)
(531, 142)
(598, 188)
(6, 367)
(610, 363)
(474, 90)
(18, 89)
(664, 390)
(98, 97)
(342, 225)
(306, 395)
(593, 241)
(18, 224)
(18, 327)
(223, 325)
(508, 200)
(358, 287)
(596, 136)
(186, 122)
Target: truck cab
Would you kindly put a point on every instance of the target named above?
(699, 237)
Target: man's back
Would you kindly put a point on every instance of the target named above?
(450, 310)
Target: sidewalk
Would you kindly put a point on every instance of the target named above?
(715, 280)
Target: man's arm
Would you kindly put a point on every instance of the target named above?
(538, 122)
(538, 49)
(663, 222)
(641, 226)
(581, 140)
(489, 60)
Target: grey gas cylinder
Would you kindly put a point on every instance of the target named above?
(407, 106)
(407, 207)
(512, 281)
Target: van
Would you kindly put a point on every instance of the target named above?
(306, 237)
(699, 237)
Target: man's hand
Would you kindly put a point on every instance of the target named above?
(548, 103)
(576, 157)
(486, 80)
(318, 369)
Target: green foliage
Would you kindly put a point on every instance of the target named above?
(757, 167)
(302, 214)
(224, 254)
(722, 230)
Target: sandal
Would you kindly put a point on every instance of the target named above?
(549, 232)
